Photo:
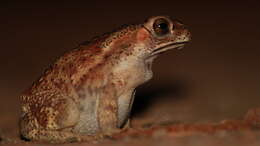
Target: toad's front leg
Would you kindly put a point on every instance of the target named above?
(107, 113)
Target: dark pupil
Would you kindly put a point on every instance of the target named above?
(161, 27)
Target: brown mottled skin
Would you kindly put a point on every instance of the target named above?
(88, 92)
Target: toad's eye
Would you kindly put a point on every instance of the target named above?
(161, 27)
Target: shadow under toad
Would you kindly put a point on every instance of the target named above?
(150, 93)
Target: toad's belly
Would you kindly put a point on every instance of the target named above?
(125, 102)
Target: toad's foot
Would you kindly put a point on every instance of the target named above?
(62, 137)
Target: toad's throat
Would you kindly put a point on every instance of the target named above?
(162, 49)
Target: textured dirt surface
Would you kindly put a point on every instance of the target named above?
(213, 79)
(238, 132)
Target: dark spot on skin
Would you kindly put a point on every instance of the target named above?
(23, 138)
(72, 139)
(110, 108)
(82, 59)
(121, 51)
(106, 56)
(124, 46)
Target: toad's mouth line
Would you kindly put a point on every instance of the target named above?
(177, 45)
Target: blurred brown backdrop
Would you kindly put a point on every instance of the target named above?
(215, 77)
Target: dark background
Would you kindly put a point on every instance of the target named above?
(214, 77)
